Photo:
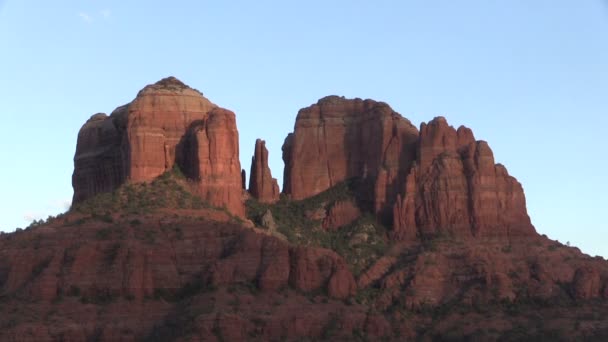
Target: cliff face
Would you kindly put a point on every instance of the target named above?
(157, 121)
(168, 123)
(338, 139)
(141, 274)
(261, 184)
(386, 232)
(183, 275)
(456, 187)
(100, 161)
(423, 183)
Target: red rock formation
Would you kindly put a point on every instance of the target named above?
(440, 180)
(379, 269)
(338, 139)
(312, 268)
(456, 187)
(157, 121)
(125, 267)
(341, 214)
(243, 179)
(215, 160)
(99, 161)
(168, 123)
(586, 283)
(404, 210)
(261, 184)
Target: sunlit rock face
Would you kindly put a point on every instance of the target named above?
(456, 187)
(337, 139)
(168, 123)
(261, 184)
(438, 179)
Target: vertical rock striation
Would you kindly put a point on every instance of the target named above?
(433, 181)
(167, 124)
(261, 184)
(337, 139)
(455, 187)
(99, 163)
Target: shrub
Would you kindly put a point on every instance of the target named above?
(103, 234)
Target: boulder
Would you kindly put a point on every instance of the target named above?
(315, 269)
(340, 214)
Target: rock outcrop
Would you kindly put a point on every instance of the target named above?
(422, 183)
(586, 283)
(99, 163)
(157, 121)
(167, 124)
(261, 184)
(213, 160)
(337, 139)
(455, 187)
(154, 263)
(341, 214)
(314, 268)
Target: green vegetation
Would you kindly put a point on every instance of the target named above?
(111, 254)
(166, 191)
(99, 297)
(360, 243)
(40, 267)
(332, 327)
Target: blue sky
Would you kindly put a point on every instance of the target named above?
(530, 77)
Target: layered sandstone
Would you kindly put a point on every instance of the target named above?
(221, 279)
(167, 124)
(337, 139)
(199, 274)
(586, 283)
(157, 121)
(261, 184)
(99, 163)
(426, 182)
(456, 187)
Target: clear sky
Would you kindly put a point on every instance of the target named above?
(530, 77)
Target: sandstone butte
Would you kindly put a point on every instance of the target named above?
(384, 232)
(437, 180)
(167, 124)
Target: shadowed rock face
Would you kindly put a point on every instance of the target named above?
(100, 160)
(168, 123)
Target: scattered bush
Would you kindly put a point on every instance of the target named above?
(166, 191)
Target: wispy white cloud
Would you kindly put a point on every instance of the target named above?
(85, 17)
(105, 13)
